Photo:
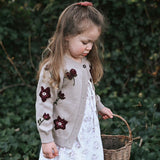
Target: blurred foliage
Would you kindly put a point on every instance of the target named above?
(131, 82)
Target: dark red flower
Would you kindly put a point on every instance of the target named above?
(45, 93)
(60, 123)
(73, 72)
(46, 116)
(85, 4)
(69, 76)
(61, 95)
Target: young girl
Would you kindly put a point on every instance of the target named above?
(66, 105)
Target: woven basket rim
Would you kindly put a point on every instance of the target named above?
(106, 135)
(119, 149)
(115, 135)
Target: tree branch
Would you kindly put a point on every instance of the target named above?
(148, 16)
(30, 55)
(11, 61)
(14, 85)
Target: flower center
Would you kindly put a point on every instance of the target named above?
(59, 123)
(44, 93)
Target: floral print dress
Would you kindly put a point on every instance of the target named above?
(88, 145)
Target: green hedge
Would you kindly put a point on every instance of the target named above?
(130, 86)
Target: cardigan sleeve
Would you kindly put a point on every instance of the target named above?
(45, 96)
(99, 104)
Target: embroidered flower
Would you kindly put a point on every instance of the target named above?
(71, 74)
(45, 93)
(60, 123)
(45, 117)
(60, 96)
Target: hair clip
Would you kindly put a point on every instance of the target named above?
(85, 3)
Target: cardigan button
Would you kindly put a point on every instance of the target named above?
(84, 66)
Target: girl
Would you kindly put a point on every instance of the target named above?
(66, 105)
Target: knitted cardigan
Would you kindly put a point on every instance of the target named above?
(59, 112)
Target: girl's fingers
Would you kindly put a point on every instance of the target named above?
(105, 117)
(108, 114)
(55, 151)
(48, 155)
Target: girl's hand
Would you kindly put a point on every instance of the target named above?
(49, 150)
(106, 113)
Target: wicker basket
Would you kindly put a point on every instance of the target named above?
(117, 147)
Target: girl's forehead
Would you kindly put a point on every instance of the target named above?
(91, 33)
(86, 24)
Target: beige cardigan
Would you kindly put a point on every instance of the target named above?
(59, 112)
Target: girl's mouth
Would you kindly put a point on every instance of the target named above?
(85, 54)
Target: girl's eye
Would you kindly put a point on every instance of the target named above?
(84, 43)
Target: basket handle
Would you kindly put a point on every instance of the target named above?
(129, 129)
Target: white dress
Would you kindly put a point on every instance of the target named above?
(88, 145)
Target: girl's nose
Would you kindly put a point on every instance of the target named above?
(89, 46)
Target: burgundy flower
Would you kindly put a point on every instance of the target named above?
(61, 95)
(46, 116)
(45, 93)
(71, 74)
(60, 123)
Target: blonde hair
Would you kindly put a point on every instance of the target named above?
(71, 23)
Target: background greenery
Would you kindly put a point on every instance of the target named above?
(130, 86)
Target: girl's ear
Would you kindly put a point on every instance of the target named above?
(67, 38)
(66, 43)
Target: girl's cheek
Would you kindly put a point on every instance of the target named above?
(83, 49)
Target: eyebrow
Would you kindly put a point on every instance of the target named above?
(88, 40)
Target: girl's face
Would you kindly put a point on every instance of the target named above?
(81, 44)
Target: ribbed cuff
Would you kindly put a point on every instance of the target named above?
(46, 137)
